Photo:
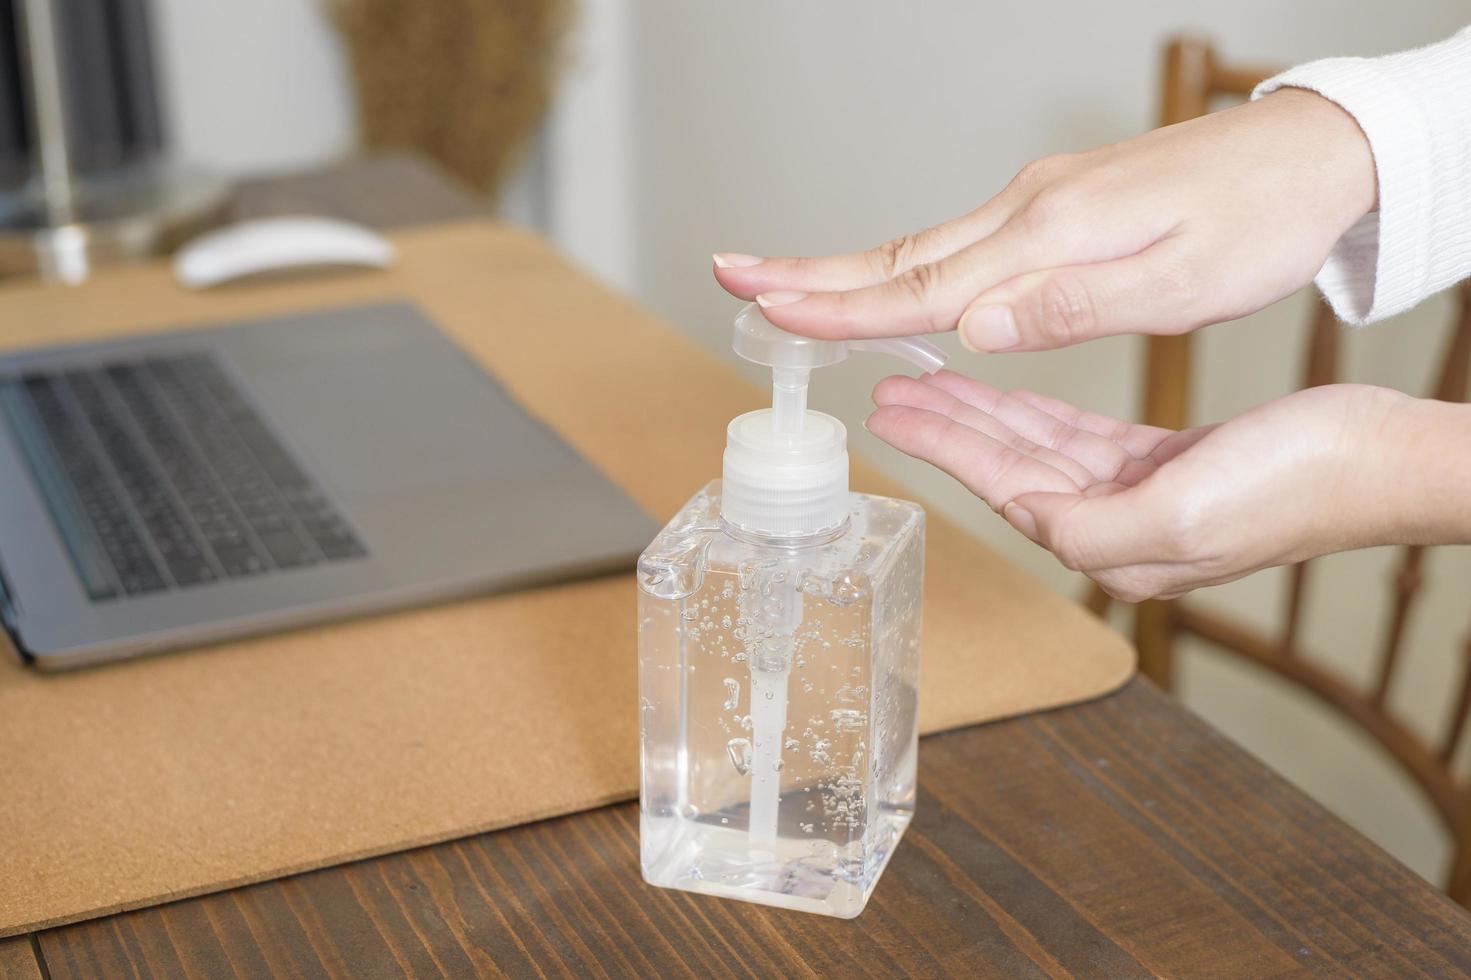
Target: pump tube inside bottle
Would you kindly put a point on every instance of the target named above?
(768, 723)
(773, 613)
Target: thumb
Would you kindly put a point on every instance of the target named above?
(1148, 292)
(1095, 532)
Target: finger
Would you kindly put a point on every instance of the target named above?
(1137, 440)
(901, 390)
(1136, 471)
(1041, 309)
(928, 298)
(1103, 458)
(1093, 533)
(988, 469)
(1104, 489)
(747, 276)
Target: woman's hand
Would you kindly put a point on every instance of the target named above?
(1196, 223)
(1148, 512)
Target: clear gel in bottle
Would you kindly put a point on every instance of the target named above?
(779, 621)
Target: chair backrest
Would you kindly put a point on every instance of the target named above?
(1194, 78)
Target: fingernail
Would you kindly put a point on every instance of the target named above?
(989, 328)
(735, 260)
(778, 298)
(1021, 519)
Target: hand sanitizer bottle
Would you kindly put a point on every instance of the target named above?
(778, 641)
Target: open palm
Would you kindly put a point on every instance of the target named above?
(1146, 511)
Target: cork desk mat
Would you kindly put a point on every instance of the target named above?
(139, 782)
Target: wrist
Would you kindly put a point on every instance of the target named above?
(1328, 138)
(1431, 461)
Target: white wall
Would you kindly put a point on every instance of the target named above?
(253, 87)
(777, 127)
(592, 145)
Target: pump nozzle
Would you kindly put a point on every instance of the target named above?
(792, 357)
(786, 469)
(921, 353)
(760, 341)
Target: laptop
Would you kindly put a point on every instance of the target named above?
(181, 488)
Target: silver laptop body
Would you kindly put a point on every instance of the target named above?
(180, 488)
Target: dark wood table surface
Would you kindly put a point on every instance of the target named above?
(1119, 838)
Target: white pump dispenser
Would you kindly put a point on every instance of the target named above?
(786, 468)
(785, 475)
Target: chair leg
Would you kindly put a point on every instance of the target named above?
(1458, 881)
(1458, 885)
(1154, 638)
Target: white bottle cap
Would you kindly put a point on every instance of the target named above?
(786, 468)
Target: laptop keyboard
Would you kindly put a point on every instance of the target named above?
(159, 474)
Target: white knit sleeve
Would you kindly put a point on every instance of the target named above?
(1415, 108)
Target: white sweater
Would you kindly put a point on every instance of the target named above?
(1415, 108)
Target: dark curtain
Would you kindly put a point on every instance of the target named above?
(111, 87)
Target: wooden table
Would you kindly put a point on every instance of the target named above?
(1118, 838)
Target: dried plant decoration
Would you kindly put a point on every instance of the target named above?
(462, 81)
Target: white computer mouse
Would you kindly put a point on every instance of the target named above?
(275, 245)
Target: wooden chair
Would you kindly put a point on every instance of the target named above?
(1194, 79)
